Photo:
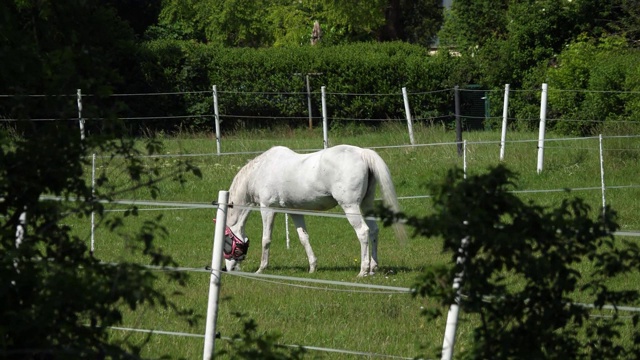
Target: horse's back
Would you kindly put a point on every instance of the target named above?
(331, 161)
(318, 180)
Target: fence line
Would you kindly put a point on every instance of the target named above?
(288, 278)
(193, 206)
(479, 142)
(315, 348)
(399, 93)
(301, 117)
(307, 93)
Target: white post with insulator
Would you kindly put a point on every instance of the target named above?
(93, 193)
(21, 229)
(505, 108)
(543, 120)
(216, 274)
(325, 122)
(80, 119)
(604, 199)
(407, 111)
(216, 117)
(452, 316)
(464, 158)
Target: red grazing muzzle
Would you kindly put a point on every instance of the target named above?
(239, 248)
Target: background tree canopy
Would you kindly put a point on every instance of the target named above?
(289, 23)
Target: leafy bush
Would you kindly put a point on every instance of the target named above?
(520, 267)
(608, 74)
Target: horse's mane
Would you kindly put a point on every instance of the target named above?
(240, 185)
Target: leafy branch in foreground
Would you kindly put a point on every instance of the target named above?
(57, 300)
(524, 267)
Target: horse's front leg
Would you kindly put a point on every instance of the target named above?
(267, 227)
(301, 227)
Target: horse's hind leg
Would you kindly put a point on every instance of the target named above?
(366, 207)
(267, 227)
(362, 230)
(298, 220)
(373, 241)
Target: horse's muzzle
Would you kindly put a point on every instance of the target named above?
(239, 248)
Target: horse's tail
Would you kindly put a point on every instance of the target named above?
(381, 172)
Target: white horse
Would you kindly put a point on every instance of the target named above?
(281, 178)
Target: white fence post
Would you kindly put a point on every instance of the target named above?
(505, 109)
(407, 111)
(216, 117)
(604, 201)
(464, 158)
(216, 274)
(454, 309)
(21, 228)
(80, 119)
(93, 192)
(286, 230)
(543, 120)
(456, 102)
(325, 122)
(309, 108)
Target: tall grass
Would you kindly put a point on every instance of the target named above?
(379, 323)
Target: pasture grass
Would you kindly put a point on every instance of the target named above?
(334, 317)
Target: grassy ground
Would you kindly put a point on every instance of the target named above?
(347, 318)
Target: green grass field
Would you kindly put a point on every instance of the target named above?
(344, 317)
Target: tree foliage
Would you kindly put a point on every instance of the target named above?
(523, 267)
(471, 23)
(56, 300)
(418, 23)
(244, 23)
(510, 39)
(608, 71)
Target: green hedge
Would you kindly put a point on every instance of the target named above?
(240, 73)
(258, 86)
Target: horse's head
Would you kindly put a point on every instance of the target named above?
(235, 249)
